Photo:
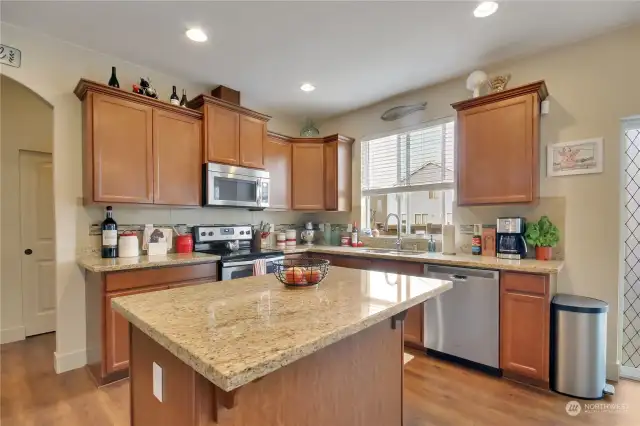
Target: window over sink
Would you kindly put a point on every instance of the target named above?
(410, 173)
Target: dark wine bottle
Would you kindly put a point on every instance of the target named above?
(113, 81)
(183, 100)
(109, 236)
(174, 97)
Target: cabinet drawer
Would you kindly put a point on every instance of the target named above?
(525, 283)
(148, 277)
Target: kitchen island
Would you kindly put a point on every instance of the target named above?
(252, 352)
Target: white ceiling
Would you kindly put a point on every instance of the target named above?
(356, 53)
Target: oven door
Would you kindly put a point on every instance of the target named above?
(232, 186)
(233, 270)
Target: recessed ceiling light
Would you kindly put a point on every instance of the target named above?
(307, 87)
(486, 8)
(196, 34)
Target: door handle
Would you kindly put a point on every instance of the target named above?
(457, 277)
(28, 252)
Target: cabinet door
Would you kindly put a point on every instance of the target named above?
(253, 133)
(413, 324)
(222, 134)
(277, 161)
(177, 155)
(117, 331)
(524, 328)
(498, 152)
(122, 151)
(337, 176)
(307, 177)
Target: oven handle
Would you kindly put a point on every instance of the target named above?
(250, 262)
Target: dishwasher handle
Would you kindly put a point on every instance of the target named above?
(452, 272)
(457, 277)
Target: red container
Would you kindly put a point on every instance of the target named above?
(184, 243)
(544, 253)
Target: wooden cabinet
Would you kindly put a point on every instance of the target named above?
(414, 326)
(222, 135)
(107, 331)
(498, 146)
(524, 327)
(177, 157)
(253, 133)
(137, 149)
(337, 173)
(120, 151)
(232, 134)
(307, 176)
(277, 161)
(117, 331)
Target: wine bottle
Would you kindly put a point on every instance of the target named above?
(109, 236)
(174, 97)
(113, 81)
(183, 100)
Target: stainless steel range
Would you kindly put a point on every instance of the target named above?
(233, 244)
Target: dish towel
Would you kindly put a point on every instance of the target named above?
(259, 267)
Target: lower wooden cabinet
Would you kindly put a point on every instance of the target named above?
(524, 327)
(117, 331)
(414, 326)
(108, 331)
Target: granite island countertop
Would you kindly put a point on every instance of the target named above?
(460, 260)
(94, 263)
(246, 328)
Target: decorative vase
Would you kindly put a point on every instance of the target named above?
(543, 253)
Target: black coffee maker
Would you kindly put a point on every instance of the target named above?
(510, 241)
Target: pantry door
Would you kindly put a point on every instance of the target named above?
(631, 235)
(37, 243)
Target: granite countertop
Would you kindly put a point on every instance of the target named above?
(94, 263)
(247, 328)
(463, 260)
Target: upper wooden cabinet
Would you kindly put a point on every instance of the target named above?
(337, 173)
(137, 149)
(177, 148)
(307, 176)
(498, 146)
(253, 134)
(320, 171)
(232, 134)
(277, 161)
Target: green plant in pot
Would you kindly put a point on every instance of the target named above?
(543, 235)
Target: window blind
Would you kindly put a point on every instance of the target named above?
(415, 160)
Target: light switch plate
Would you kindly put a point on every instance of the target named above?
(157, 381)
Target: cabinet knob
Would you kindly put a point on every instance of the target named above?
(28, 252)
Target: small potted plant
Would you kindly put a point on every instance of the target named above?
(543, 235)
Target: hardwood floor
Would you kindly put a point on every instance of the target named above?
(436, 394)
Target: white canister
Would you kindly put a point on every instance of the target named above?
(291, 236)
(449, 239)
(281, 237)
(128, 245)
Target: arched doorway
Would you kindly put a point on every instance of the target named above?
(28, 285)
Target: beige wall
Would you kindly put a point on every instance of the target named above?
(592, 85)
(27, 124)
(52, 68)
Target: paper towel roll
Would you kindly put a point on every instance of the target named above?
(449, 239)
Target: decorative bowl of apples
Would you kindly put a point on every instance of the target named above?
(296, 273)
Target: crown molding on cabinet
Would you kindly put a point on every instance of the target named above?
(331, 138)
(202, 99)
(85, 86)
(539, 87)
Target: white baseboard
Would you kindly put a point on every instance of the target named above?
(613, 371)
(630, 373)
(8, 335)
(69, 361)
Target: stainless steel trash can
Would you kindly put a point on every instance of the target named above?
(578, 346)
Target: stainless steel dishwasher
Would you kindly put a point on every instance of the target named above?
(462, 324)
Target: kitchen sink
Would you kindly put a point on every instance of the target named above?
(394, 251)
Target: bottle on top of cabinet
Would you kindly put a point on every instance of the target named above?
(174, 99)
(109, 235)
(183, 100)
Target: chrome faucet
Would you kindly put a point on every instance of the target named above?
(386, 229)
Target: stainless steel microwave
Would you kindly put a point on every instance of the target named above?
(232, 186)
